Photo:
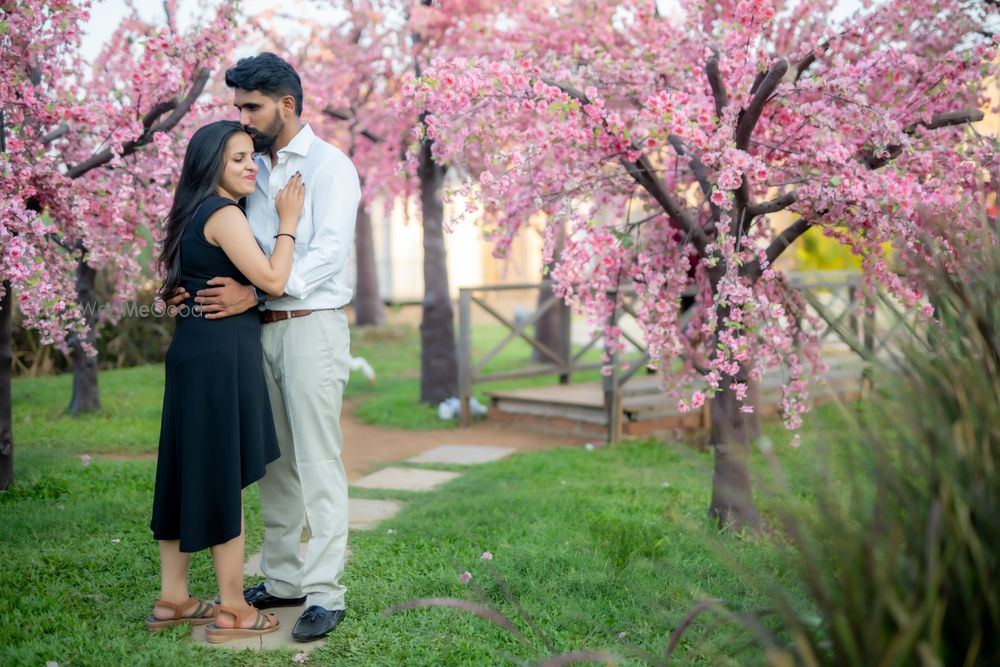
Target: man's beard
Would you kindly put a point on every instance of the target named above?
(264, 139)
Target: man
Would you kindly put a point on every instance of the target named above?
(305, 341)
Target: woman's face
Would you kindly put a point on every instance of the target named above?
(239, 171)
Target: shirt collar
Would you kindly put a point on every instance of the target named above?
(300, 142)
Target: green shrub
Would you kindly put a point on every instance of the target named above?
(900, 557)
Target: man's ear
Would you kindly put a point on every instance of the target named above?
(287, 106)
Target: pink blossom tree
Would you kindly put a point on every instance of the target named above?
(696, 132)
(88, 157)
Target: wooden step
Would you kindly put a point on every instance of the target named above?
(578, 409)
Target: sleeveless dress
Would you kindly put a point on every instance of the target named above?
(217, 434)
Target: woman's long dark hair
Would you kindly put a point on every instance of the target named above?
(203, 162)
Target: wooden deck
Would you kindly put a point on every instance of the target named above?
(579, 410)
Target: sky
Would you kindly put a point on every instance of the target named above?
(106, 14)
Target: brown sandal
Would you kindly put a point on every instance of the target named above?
(263, 625)
(203, 612)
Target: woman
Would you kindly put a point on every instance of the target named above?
(217, 433)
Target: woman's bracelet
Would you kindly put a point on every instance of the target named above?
(291, 236)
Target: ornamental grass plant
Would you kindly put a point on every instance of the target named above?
(898, 552)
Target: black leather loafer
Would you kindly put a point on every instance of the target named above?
(316, 623)
(260, 598)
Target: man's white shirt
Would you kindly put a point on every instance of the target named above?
(325, 235)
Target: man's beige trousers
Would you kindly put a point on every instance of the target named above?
(306, 363)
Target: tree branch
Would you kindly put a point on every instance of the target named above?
(772, 206)
(801, 226)
(644, 174)
(150, 125)
(60, 131)
(699, 170)
(352, 118)
(718, 86)
(763, 87)
(940, 120)
(807, 62)
(750, 115)
(34, 74)
(786, 238)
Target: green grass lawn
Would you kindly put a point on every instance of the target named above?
(603, 548)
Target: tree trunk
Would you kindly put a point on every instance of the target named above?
(438, 359)
(6, 421)
(548, 328)
(732, 432)
(86, 397)
(368, 307)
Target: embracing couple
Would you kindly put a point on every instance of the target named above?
(256, 248)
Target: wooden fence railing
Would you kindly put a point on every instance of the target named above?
(831, 295)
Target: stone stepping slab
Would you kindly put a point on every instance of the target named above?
(365, 514)
(462, 454)
(405, 479)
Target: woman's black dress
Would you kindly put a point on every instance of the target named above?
(217, 433)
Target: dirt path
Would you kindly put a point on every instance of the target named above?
(367, 447)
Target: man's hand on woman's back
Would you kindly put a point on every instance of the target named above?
(225, 297)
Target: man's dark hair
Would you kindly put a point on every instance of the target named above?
(270, 75)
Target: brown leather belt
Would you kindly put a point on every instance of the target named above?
(268, 316)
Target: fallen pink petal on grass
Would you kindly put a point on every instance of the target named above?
(487, 555)
(465, 577)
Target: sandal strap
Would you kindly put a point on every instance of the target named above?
(201, 609)
(237, 617)
(260, 623)
(171, 605)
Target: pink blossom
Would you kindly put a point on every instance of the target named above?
(465, 577)
(697, 399)
(486, 556)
